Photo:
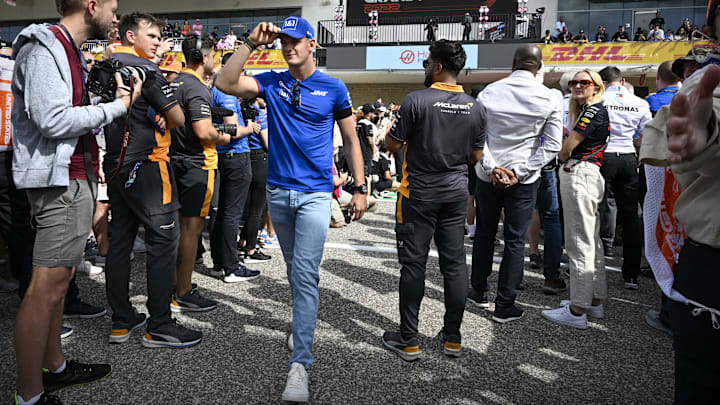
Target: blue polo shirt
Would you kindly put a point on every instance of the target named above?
(301, 137)
(661, 98)
(254, 141)
(221, 99)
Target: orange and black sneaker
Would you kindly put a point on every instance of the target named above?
(120, 332)
(451, 344)
(408, 350)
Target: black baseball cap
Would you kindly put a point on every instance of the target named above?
(368, 108)
(678, 67)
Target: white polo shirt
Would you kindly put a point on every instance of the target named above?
(628, 115)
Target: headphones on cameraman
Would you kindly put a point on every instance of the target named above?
(196, 55)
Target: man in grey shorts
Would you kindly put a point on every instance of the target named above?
(55, 161)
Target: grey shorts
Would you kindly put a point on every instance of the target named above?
(62, 217)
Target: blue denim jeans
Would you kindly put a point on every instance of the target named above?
(301, 221)
(549, 210)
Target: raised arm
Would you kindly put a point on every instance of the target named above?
(231, 80)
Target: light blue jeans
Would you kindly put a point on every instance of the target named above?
(301, 221)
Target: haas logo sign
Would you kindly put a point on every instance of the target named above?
(407, 57)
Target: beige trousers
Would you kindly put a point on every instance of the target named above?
(581, 190)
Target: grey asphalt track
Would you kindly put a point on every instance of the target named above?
(243, 357)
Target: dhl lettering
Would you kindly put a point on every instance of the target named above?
(563, 54)
(594, 53)
(613, 54)
(586, 54)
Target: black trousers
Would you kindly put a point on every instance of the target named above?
(519, 203)
(466, 32)
(235, 176)
(143, 203)
(621, 176)
(417, 223)
(257, 197)
(696, 342)
(15, 226)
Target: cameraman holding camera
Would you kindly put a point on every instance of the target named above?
(55, 161)
(195, 162)
(142, 190)
(235, 177)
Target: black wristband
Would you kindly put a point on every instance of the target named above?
(250, 44)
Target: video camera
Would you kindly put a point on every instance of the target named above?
(220, 112)
(101, 79)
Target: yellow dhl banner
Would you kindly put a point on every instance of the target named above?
(264, 59)
(632, 53)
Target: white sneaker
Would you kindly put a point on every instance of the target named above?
(88, 269)
(595, 311)
(296, 388)
(563, 316)
(290, 342)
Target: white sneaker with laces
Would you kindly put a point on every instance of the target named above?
(595, 311)
(88, 269)
(290, 342)
(563, 316)
(296, 388)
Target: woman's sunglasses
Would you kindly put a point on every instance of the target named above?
(582, 83)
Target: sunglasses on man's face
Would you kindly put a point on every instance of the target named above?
(582, 83)
(89, 61)
(296, 94)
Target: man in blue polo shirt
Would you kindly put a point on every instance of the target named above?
(667, 84)
(235, 176)
(303, 105)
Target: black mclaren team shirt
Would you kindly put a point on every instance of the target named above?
(440, 126)
(146, 142)
(594, 125)
(195, 99)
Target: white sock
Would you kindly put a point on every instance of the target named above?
(30, 401)
(61, 368)
(471, 229)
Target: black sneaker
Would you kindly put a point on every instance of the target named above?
(74, 374)
(171, 335)
(241, 274)
(451, 344)
(82, 310)
(507, 314)
(192, 302)
(120, 332)
(478, 299)
(257, 257)
(45, 399)
(553, 287)
(407, 350)
(536, 261)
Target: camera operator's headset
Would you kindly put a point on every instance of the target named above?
(196, 55)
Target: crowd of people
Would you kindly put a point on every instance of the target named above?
(207, 148)
(656, 31)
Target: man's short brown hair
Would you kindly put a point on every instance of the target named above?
(65, 7)
(666, 74)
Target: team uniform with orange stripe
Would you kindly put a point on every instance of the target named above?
(195, 162)
(141, 187)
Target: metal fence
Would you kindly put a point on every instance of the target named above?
(514, 26)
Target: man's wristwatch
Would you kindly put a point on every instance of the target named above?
(362, 189)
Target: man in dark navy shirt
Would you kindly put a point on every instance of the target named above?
(303, 105)
(441, 129)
